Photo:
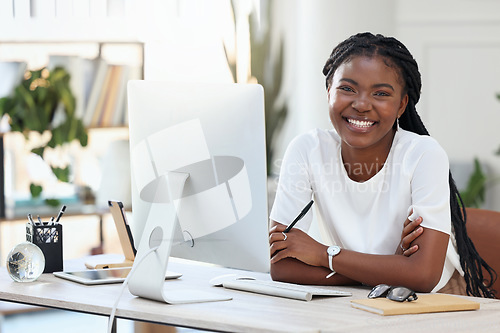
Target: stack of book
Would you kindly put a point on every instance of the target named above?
(100, 89)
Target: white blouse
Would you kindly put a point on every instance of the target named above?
(368, 216)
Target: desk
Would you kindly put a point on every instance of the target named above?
(247, 312)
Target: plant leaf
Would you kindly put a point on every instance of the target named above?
(53, 202)
(39, 151)
(474, 193)
(61, 174)
(35, 190)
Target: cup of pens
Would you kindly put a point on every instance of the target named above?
(47, 235)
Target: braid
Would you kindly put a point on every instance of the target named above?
(398, 57)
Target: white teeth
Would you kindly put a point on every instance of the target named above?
(360, 123)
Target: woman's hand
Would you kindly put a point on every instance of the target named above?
(297, 244)
(411, 231)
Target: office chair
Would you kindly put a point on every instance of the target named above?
(483, 228)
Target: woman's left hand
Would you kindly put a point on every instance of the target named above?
(295, 244)
(411, 231)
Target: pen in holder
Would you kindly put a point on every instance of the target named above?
(48, 237)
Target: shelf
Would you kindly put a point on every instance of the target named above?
(45, 212)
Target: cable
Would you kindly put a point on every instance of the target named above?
(124, 285)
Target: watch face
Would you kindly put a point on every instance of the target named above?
(333, 250)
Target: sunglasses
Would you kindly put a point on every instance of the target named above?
(398, 294)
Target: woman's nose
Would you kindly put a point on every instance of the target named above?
(362, 104)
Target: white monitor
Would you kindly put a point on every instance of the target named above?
(213, 134)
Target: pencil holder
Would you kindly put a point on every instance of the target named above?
(48, 237)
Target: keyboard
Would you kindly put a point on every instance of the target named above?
(283, 289)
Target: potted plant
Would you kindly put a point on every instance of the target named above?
(43, 102)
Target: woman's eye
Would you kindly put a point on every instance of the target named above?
(381, 93)
(345, 88)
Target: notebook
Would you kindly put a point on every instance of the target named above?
(424, 304)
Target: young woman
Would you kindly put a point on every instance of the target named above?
(383, 192)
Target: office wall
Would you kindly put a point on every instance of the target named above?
(456, 43)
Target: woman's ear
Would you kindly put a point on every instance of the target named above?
(402, 105)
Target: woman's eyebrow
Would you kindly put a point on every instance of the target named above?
(382, 85)
(349, 80)
(377, 85)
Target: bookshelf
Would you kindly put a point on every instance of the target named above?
(75, 35)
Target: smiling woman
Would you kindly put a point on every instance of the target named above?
(383, 191)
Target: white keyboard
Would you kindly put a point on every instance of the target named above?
(315, 290)
(282, 289)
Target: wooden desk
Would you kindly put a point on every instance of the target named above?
(247, 312)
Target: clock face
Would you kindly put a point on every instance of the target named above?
(333, 250)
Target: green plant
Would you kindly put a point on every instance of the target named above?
(43, 102)
(473, 195)
(267, 69)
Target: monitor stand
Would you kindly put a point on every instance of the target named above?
(147, 279)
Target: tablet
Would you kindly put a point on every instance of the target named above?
(103, 276)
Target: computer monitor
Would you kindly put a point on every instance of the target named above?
(199, 172)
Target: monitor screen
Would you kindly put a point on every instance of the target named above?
(215, 134)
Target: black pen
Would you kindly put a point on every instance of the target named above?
(60, 213)
(301, 215)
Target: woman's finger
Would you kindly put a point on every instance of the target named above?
(412, 225)
(409, 238)
(277, 236)
(410, 251)
(278, 255)
(277, 228)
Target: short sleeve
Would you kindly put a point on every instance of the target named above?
(430, 190)
(294, 189)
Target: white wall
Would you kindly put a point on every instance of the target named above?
(457, 46)
(455, 42)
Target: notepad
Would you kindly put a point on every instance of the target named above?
(424, 304)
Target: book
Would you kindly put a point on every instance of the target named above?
(424, 304)
(103, 96)
(121, 99)
(109, 106)
(281, 289)
(96, 90)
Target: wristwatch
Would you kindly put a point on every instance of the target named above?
(332, 252)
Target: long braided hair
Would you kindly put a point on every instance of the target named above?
(397, 56)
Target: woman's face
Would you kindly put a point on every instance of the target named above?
(365, 99)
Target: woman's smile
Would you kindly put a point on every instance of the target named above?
(359, 124)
